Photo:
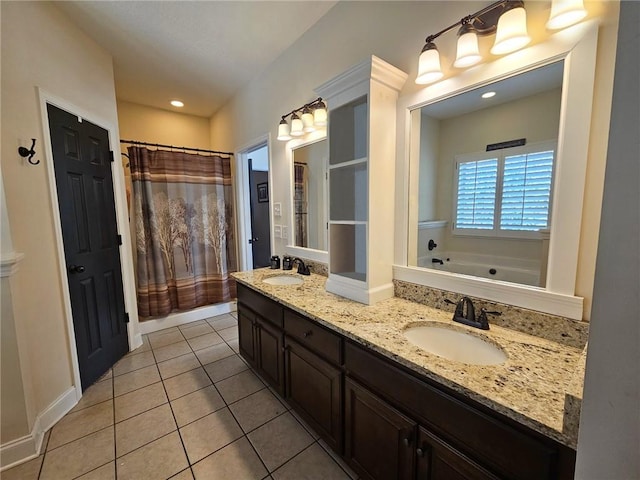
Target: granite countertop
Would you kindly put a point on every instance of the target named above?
(531, 387)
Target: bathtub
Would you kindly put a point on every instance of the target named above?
(498, 269)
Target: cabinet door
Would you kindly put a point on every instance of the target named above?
(269, 354)
(439, 461)
(314, 390)
(246, 335)
(379, 440)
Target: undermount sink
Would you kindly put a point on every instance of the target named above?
(283, 280)
(456, 345)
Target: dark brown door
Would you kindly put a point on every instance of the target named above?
(379, 440)
(260, 226)
(84, 184)
(314, 390)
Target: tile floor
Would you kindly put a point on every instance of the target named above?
(183, 406)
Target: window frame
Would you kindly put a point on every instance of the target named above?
(496, 231)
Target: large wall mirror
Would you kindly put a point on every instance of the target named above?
(485, 174)
(309, 190)
(489, 190)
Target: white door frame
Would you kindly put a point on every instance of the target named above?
(122, 220)
(243, 200)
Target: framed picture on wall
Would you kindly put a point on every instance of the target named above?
(263, 192)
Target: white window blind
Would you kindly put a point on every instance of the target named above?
(477, 194)
(526, 191)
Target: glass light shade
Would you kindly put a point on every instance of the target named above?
(307, 121)
(429, 69)
(320, 115)
(297, 127)
(283, 131)
(512, 32)
(565, 13)
(467, 53)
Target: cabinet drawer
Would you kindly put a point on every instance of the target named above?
(260, 304)
(312, 335)
(515, 453)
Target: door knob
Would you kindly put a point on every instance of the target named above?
(252, 240)
(76, 269)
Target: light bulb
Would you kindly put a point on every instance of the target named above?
(429, 69)
(565, 13)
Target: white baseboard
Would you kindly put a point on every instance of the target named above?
(25, 448)
(180, 318)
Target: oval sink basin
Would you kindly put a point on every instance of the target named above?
(283, 280)
(455, 345)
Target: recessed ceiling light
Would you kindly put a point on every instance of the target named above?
(488, 94)
(177, 103)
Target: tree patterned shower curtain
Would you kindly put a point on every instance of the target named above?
(185, 229)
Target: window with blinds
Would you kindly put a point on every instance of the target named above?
(498, 193)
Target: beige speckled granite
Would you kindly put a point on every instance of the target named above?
(529, 387)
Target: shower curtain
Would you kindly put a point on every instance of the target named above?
(185, 228)
(300, 203)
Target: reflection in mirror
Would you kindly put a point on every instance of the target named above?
(484, 179)
(310, 195)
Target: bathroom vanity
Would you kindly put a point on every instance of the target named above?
(392, 410)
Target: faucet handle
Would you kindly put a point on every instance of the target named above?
(483, 319)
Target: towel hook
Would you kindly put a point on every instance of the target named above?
(24, 152)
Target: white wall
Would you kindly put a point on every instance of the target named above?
(395, 32)
(609, 436)
(41, 48)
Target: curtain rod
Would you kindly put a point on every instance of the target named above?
(136, 142)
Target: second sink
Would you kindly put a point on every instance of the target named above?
(283, 280)
(456, 345)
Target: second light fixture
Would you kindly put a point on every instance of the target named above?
(305, 119)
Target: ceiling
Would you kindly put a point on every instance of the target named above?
(199, 52)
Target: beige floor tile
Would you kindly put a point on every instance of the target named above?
(239, 386)
(196, 405)
(234, 314)
(191, 324)
(234, 345)
(171, 351)
(144, 428)
(353, 475)
(222, 321)
(279, 440)
(137, 379)
(184, 475)
(145, 347)
(160, 459)
(304, 424)
(186, 383)
(164, 331)
(212, 354)
(133, 362)
(106, 375)
(225, 368)
(81, 423)
(178, 365)
(229, 334)
(26, 471)
(139, 401)
(164, 339)
(87, 453)
(105, 472)
(197, 330)
(257, 409)
(96, 393)
(211, 433)
(204, 341)
(235, 461)
(312, 464)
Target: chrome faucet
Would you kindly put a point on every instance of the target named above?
(465, 313)
(302, 268)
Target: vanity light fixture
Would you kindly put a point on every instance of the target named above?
(565, 13)
(305, 119)
(177, 103)
(506, 18)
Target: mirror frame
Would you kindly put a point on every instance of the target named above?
(321, 256)
(577, 47)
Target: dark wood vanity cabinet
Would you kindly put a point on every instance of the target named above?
(387, 421)
(260, 336)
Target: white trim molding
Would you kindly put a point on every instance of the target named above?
(9, 263)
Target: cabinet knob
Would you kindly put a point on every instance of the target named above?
(307, 334)
(419, 452)
(406, 441)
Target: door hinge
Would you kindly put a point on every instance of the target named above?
(119, 239)
(126, 317)
(111, 156)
